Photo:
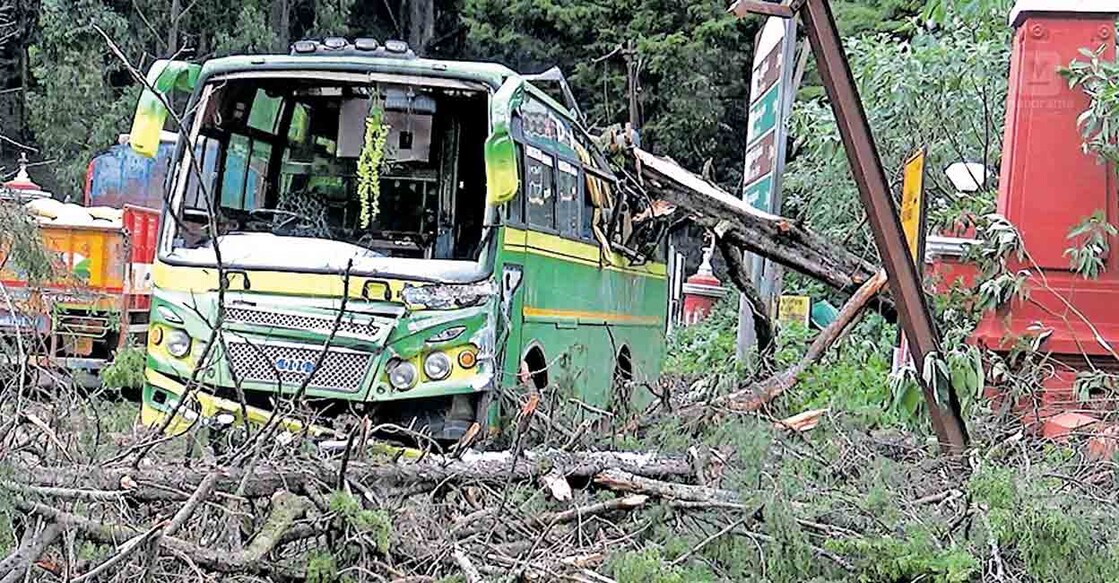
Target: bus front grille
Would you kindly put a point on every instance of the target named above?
(322, 324)
(340, 370)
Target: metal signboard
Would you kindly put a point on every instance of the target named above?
(771, 97)
(792, 309)
(912, 215)
(912, 212)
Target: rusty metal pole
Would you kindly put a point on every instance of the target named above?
(874, 190)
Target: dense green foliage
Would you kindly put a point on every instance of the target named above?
(863, 473)
(692, 63)
(944, 89)
(21, 247)
(1099, 78)
(127, 369)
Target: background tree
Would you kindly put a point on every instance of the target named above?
(692, 61)
(944, 88)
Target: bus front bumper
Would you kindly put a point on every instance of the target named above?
(162, 393)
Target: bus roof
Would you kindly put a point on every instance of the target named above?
(491, 74)
(488, 73)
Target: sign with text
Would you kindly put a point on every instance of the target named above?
(912, 215)
(771, 96)
(912, 211)
(794, 309)
(770, 90)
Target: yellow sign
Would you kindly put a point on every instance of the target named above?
(794, 309)
(912, 204)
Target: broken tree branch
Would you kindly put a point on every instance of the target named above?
(286, 509)
(212, 559)
(740, 276)
(125, 551)
(28, 552)
(469, 571)
(754, 398)
(745, 227)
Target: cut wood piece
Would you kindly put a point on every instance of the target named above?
(625, 482)
(776, 238)
(557, 484)
(801, 422)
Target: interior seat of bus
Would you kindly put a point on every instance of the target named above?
(281, 156)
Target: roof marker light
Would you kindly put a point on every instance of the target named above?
(396, 46)
(366, 44)
(303, 46)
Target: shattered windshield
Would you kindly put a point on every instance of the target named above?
(382, 170)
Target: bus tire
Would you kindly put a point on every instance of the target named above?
(533, 372)
(621, 384)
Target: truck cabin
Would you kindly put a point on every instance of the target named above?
(284, 156)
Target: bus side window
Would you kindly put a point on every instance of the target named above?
(540, 198)
(569, 203)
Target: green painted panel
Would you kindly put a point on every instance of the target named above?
(760, 193)
(763, 114)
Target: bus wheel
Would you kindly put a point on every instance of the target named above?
(533, 373)
(621, 385)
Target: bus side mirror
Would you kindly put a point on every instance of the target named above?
(151, 112)
(502, 181)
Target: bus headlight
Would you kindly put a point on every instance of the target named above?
(402, 375)
(445, 296)
(437, 366)
(178, 343)
(446, 335)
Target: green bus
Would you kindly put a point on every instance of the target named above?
(389, 236)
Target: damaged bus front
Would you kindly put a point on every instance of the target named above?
(328, 234)
(387, 236)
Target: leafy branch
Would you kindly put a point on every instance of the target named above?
(370, 162)
(1093, 233)
(1099, 124)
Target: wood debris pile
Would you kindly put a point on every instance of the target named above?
(88, 503)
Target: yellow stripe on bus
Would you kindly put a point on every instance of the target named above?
(534, 312)
(557, 247)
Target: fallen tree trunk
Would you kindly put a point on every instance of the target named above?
(172, 482)
(745, 227)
